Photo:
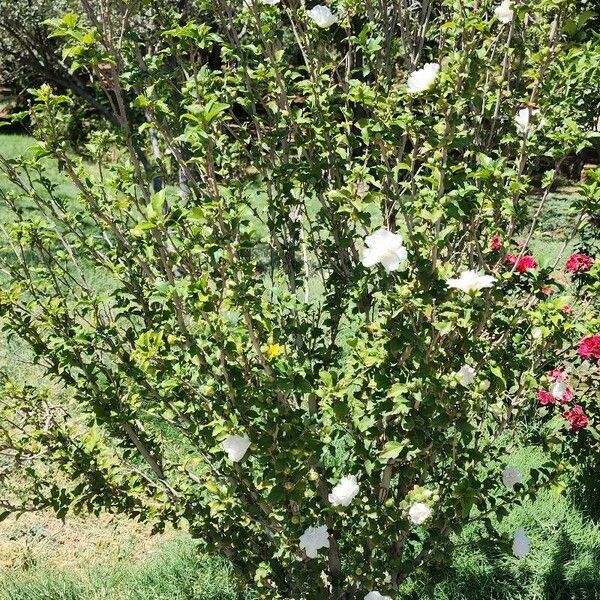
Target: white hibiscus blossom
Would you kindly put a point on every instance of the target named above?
(376, 596)
(523, 117)
(344, 492)
(537, 333)
(236, 446)
(322, 16)
(384, 247)
(466, 375)
(313, 539)
(510, 476)
(521, 544)
(471, 281)
(422, 79)
(558, 389)
(504, 13)
(418, 513)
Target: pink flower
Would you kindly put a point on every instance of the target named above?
(525, 263)
(567, 309)
(567, 396)
(556, 375)
(579, 263)
(496, 242)
(546, 398)
(576, 417)
(546, 291)
(589, 347)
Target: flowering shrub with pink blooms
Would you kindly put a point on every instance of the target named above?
(312, 326)
(522, 264)
(579, 262)
(496, 242)
(589, 347)
(576, 418)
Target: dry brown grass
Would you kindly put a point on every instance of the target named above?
(75, 544)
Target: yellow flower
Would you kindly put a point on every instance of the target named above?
(274, 350)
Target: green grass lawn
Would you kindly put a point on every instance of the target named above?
(174, 571)
(564, 561)
(13, 146)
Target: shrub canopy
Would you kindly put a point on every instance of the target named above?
(288, 302)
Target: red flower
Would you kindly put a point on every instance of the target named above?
(496, 242)
(576, 417)
(579, 263)
(546, 398)
(522, 264)
(556, 375)
(589, 347)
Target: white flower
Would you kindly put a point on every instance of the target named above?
(471, 281)
(536, 333)
(384, 247)
(484, 386)
(510, 476)
(314, 538)
(236, 446)
(270, 2)
(504, 13)
(558, 389)
(418, 513)
(322, 16)
(343, 493)
(521, 544)
(422, 79)
(376, 596)
(523, 117)
(466, 375)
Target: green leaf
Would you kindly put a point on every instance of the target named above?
(392, 450)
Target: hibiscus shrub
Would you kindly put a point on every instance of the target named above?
(292, 307)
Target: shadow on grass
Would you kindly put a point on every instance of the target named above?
(482, 574)
(573, 576)
(586, 486)
(486, 574)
